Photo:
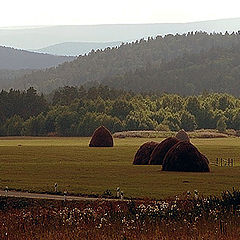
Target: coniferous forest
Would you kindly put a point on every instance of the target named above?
(184, 64)
(73, 111)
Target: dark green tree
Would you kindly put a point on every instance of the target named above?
(188, 121)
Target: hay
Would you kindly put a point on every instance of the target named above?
(184, 157)
(161, 150)
(101, 138)
(143, 154)
(182, 136)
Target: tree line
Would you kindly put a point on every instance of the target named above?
(73, 111)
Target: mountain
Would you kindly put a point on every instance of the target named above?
(14, 59)
(136, 65)
(40, 37)
(76, 48)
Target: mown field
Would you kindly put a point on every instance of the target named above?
(35, 164)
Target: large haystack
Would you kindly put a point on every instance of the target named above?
(143, 154)
(101, 138)
(184, 157)
(182, 136)
(161, 150)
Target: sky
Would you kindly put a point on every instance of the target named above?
(87, 12)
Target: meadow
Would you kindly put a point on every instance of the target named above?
(35, 164)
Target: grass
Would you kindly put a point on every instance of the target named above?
(35, 164)
(188, 217)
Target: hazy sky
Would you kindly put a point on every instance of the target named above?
(74, 12)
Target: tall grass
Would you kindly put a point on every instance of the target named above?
(186, 217)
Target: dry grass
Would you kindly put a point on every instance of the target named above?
(202, 133)
(184, 218)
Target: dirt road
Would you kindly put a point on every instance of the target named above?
(52, 196)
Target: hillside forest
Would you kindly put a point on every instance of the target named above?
(78, 111)
(186, 64)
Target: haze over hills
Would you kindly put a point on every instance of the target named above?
(165, 64)
(41, 37)
(217, 70)
(15, 59)
(76, 48)
(9, 76)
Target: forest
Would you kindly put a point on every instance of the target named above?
(16, 59)
(78, 111)
(184, 64)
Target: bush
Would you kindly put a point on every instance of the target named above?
(162, 127)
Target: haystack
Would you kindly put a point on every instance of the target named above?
(182, 136)
(101, 138)
(161, 150)
(143, 154)
(184, 157)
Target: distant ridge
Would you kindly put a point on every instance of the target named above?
(41, 37)
(15, 59)
(76, 48)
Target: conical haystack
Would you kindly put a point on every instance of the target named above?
(101, 138)
(143, 154)
(161, 150)
(184, 157)
(182, 136)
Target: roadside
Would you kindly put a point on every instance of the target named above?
(54, 197)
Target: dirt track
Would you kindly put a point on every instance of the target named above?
(51, 196)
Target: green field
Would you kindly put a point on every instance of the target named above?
(37, 163)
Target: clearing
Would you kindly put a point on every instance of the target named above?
(35, 164)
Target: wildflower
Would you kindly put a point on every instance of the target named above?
(121, 195)
(196, 194)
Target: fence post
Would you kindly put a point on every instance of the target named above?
(6, 191)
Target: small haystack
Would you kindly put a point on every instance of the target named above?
(101, 138)
(161, 150)
(184, 157)
(143, 154)
(182, 136)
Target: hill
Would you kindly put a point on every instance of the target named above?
(217, 70)
(9, 76)
(40, 37)
(15, 59)
(130, 63)
(76, 48)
